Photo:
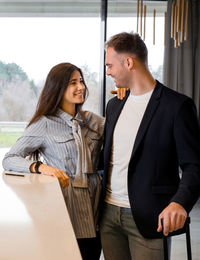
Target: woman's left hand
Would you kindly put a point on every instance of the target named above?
(51, 171)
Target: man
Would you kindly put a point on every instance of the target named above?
(148, 135)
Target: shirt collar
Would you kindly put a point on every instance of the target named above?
(67, 117)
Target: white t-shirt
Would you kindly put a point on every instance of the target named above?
(123, 140)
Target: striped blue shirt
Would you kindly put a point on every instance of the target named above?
(52, 136)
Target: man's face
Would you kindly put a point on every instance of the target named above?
(116, 68)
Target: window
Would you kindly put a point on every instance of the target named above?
(124, 18)
(31, 46)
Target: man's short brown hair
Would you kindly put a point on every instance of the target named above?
(129, 43)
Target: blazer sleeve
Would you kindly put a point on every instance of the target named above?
(187, 139)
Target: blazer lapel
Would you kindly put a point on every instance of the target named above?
(148, 115)
(116, 110)
(110, 125)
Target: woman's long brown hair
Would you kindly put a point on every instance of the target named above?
(51, 96)
(53, 91)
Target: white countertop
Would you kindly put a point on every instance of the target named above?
(34, 222)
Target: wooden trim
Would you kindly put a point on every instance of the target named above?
(165, 25)
(172, 20)
(182, 19)
(186, 20)
(144, 31)
(154, 26)
(138, 14)
(141, 12)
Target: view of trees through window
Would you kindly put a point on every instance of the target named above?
(28, 55)
(19, 96)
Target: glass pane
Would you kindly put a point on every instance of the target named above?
(30, 47)
(155, 51)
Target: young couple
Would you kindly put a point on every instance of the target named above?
(147, 136)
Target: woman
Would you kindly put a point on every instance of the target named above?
(69, 140)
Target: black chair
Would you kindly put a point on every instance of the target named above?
(185, 230)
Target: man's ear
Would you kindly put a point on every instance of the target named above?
(130, 63)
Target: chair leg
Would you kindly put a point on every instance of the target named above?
(188, 242)
(165, 246)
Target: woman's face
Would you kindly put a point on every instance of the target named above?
(74, 93)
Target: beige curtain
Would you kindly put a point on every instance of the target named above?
(182, 64)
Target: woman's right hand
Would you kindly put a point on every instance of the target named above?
(51, 171)
(121, 92)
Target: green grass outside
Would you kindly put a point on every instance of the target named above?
(8, 139)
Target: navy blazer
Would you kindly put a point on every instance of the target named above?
(168, 137)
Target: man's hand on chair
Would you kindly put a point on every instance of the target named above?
(174, 216)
